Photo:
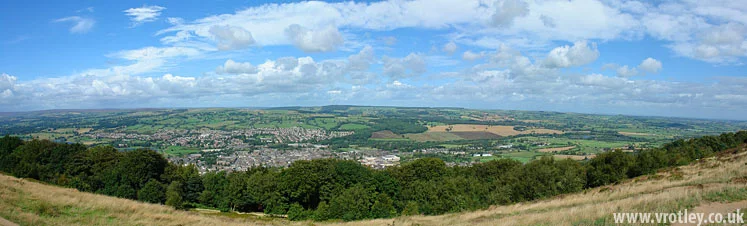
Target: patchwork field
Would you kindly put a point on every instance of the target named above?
(433, 136)
(550, 150)
(498, 130)
(477, 135)
(385, 134)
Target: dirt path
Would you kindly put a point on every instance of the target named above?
(4, 222)
(717, 207)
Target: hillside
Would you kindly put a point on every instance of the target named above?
(703, 185)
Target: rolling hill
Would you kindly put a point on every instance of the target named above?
(715, 184)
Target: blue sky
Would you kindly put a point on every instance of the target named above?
(673, 58)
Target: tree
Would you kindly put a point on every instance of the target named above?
(353, 203)
(296, 212)
(152, 192)
(609, 167)
(383, 207)
(411, 209)
(7, 145)
(322, 212)
(174, 195)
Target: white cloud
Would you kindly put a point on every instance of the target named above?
(362, 60)
(151, 53)
(232, 67)
(450, 47)
(7, 83)
(507, 11)
(322, 40)
(80, 24)
(570, 56)
(143, 14)
(231, 37)
(409, 66)
(625, 71)
(650, 65)
(469, 55)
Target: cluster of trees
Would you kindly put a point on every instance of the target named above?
(339, 189)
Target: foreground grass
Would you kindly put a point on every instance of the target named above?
(31, 203)
(717, 179)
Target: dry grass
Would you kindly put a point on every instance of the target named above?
(498, 130)
(31, 203)
(550, 150)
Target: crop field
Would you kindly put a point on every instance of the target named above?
(385, 134)
(550, 150)
(574, 157)
(498, 130)
(476, 135)
(433, 136)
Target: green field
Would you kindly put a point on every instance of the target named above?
(180, 151)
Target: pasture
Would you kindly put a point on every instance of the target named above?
(498, 130)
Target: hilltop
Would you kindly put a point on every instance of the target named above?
(700, 185)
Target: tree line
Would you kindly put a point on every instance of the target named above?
(326, 189)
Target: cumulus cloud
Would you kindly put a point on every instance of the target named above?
(450, 47)
(233, 67)
(231, 37)
(7, 82)
(507, 11)
(143, 14)
(650, 65)
(409, 66)
(322, 40)
(570, 56)
(626, 71)
(362, 60)
(80, 24)
(469, 55)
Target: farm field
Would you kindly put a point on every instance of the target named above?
(498, 130)
(550, 150)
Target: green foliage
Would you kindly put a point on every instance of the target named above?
(383, 207)
(353, 203)
(411, 209)
(610, 167)
(174, 195)
(296, 212)
(152, 192)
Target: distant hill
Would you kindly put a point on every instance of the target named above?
(714, 184)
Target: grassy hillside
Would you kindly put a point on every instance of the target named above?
(721, 179)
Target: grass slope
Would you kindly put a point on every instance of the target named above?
(721, 179)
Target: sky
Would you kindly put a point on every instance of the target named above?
(662, 58)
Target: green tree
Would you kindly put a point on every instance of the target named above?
(411, 209)
(174, 195)
(152, 192)
(353, 203)
(383, 207)
(296, 212)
